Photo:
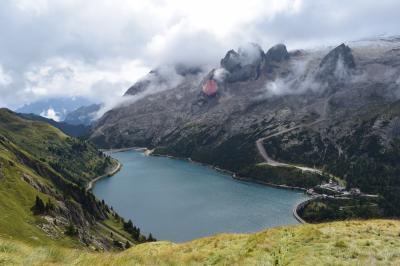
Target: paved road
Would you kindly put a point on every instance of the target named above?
(272, 162)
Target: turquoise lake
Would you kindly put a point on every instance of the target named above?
(179, 201)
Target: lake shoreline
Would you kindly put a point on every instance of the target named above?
(232, 204)
(235, 176)
(108, 173)
(232, 174)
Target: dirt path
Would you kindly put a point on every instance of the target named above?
(272, 162)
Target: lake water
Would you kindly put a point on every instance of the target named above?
(177, 200)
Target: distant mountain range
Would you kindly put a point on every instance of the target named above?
(54, 108)
(84, 115)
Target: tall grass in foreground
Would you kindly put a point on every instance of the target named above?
(375, 242)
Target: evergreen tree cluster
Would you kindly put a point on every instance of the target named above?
(41, 208)
(135, 232)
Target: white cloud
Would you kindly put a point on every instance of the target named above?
(38, 7)
(220, 74)
(98, 48)
(5, 79)
(166, 74)
(65, 77)
(300, 80)
(51, 114)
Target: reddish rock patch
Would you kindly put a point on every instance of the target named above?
(210, 87)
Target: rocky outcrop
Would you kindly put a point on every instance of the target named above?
(337, 65)
(277, 53)
(37, 185)
(244, 64)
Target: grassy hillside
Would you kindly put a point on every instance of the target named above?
(38, 160)
(374, 242)
(75, 159)
(75, 130)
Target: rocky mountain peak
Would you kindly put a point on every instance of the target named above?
(337, 62)
(231, 61)
(277, 53)
(243, 64)
(167, 76)
(142, 84)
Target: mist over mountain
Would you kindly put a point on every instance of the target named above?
(54, 108)
(346, 92)
(304, 83)
(84, 115)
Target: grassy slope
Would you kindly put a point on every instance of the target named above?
(78, 160)
(16, 199)
(375, 242)
(32, 139)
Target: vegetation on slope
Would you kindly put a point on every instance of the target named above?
(329, 209)
(75, 159)
(374, 242)
(43, 200)
(366, 155)
(74, 130)
(282, 175)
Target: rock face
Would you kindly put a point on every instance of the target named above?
(277, 53)
(348, 90)
(337, 64)
(244, 64)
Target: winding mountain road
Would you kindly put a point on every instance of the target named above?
(268, 160)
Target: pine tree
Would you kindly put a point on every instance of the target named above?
(129, 227)
(150, 238)
(39, 206)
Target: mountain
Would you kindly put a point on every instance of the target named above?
(84, 115)
(43, 197)
(333, 109)
(78, 130)
(54, 108)
(340, 243)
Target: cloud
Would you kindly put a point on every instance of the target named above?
(220, 74)
(300, 80)
(163, 79)
(98, 48)
(5, 79)
(51, 114)
(72, 77)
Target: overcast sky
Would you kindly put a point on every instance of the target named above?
(98, 48)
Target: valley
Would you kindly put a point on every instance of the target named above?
(322, 121)
(170, 132)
